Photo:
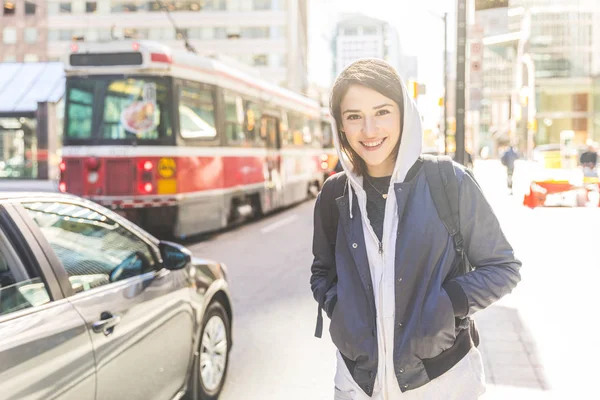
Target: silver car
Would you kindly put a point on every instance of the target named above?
(93, 307)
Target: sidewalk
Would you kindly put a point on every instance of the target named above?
(512, 364)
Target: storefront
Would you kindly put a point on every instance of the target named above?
(30, 121)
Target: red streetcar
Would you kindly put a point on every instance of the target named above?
(183, 144)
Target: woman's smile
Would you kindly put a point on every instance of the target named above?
(373, 145)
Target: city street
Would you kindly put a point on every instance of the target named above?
(538, 343)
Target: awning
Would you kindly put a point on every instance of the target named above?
(23, 85)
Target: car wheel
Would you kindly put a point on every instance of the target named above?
(213, 353)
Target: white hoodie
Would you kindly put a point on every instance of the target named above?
(460, 377)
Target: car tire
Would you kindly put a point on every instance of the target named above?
(215, 327)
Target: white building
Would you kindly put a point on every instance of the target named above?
(270, 35)
(359, 36)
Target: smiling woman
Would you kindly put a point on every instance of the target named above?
(369, 112)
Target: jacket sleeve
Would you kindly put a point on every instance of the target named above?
(496, 270)
(323, 262)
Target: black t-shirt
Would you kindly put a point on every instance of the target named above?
(375, 187)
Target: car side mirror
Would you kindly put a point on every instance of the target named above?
(175, 256)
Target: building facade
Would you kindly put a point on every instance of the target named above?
(23, 31)
(563, 44)
(360, 36)
(268, 35)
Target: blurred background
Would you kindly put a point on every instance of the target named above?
(191, 117)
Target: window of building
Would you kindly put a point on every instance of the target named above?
(10, 58)
(262, 4)
(219, 33)
(214, 5)
(91, 7)
(369, 30)
(260, 60)
(255, 32)
(64, 7)
(278, 32)
(31, 35)
(9, 35)
(93, 249)
(197, 112)
(9, 7)
(30, 8)
(19, 156)
(65, 35)
(30, 57)
(181, 33)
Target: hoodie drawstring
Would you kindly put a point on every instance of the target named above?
(350, 194)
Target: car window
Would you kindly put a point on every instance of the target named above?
(18, 288)
(94, 249)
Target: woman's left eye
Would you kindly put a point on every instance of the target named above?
(382, 112)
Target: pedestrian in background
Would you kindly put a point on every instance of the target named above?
(508, 160)
(588, 160)
(400, 316)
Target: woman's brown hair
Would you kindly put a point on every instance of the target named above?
(374, 74)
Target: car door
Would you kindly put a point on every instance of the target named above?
(45, 349)
(139, 314)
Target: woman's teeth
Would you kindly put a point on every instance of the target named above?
(372, 144)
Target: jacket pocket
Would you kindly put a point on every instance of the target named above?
(437, 327)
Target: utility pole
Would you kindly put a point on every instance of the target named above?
(445, 83)
(461, 49)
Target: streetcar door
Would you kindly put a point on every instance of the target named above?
(274, 184)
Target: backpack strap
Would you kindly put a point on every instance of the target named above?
(329, 218)
(443, 186)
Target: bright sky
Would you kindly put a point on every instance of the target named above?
(421, 34)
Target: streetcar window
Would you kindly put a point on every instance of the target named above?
(118, 109)
(234, 120)
(298, 133)
(79, 109)
(197, 113)
(134, 107)
(252, 124)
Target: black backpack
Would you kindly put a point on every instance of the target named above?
(443, 186)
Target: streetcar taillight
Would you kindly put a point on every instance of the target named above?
(148, 166)
(161, 57)
(62, 187)
(135, 46)
(74, 48)
(147, 187)
(62, 166)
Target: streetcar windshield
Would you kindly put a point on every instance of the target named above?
(106, 109)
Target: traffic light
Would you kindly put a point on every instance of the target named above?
(413, 89)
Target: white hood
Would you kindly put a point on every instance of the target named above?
(411, 143)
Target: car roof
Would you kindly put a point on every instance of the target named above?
(14, 196)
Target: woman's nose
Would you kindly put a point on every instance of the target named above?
(370, 126)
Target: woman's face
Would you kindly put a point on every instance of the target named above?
(371, 123)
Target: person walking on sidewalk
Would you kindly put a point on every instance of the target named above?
(508, 160)
(386, 268)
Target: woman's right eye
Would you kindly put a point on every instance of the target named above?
(353, 116)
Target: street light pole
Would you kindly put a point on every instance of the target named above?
(460, 101)
(445, 83)
(445, 19)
